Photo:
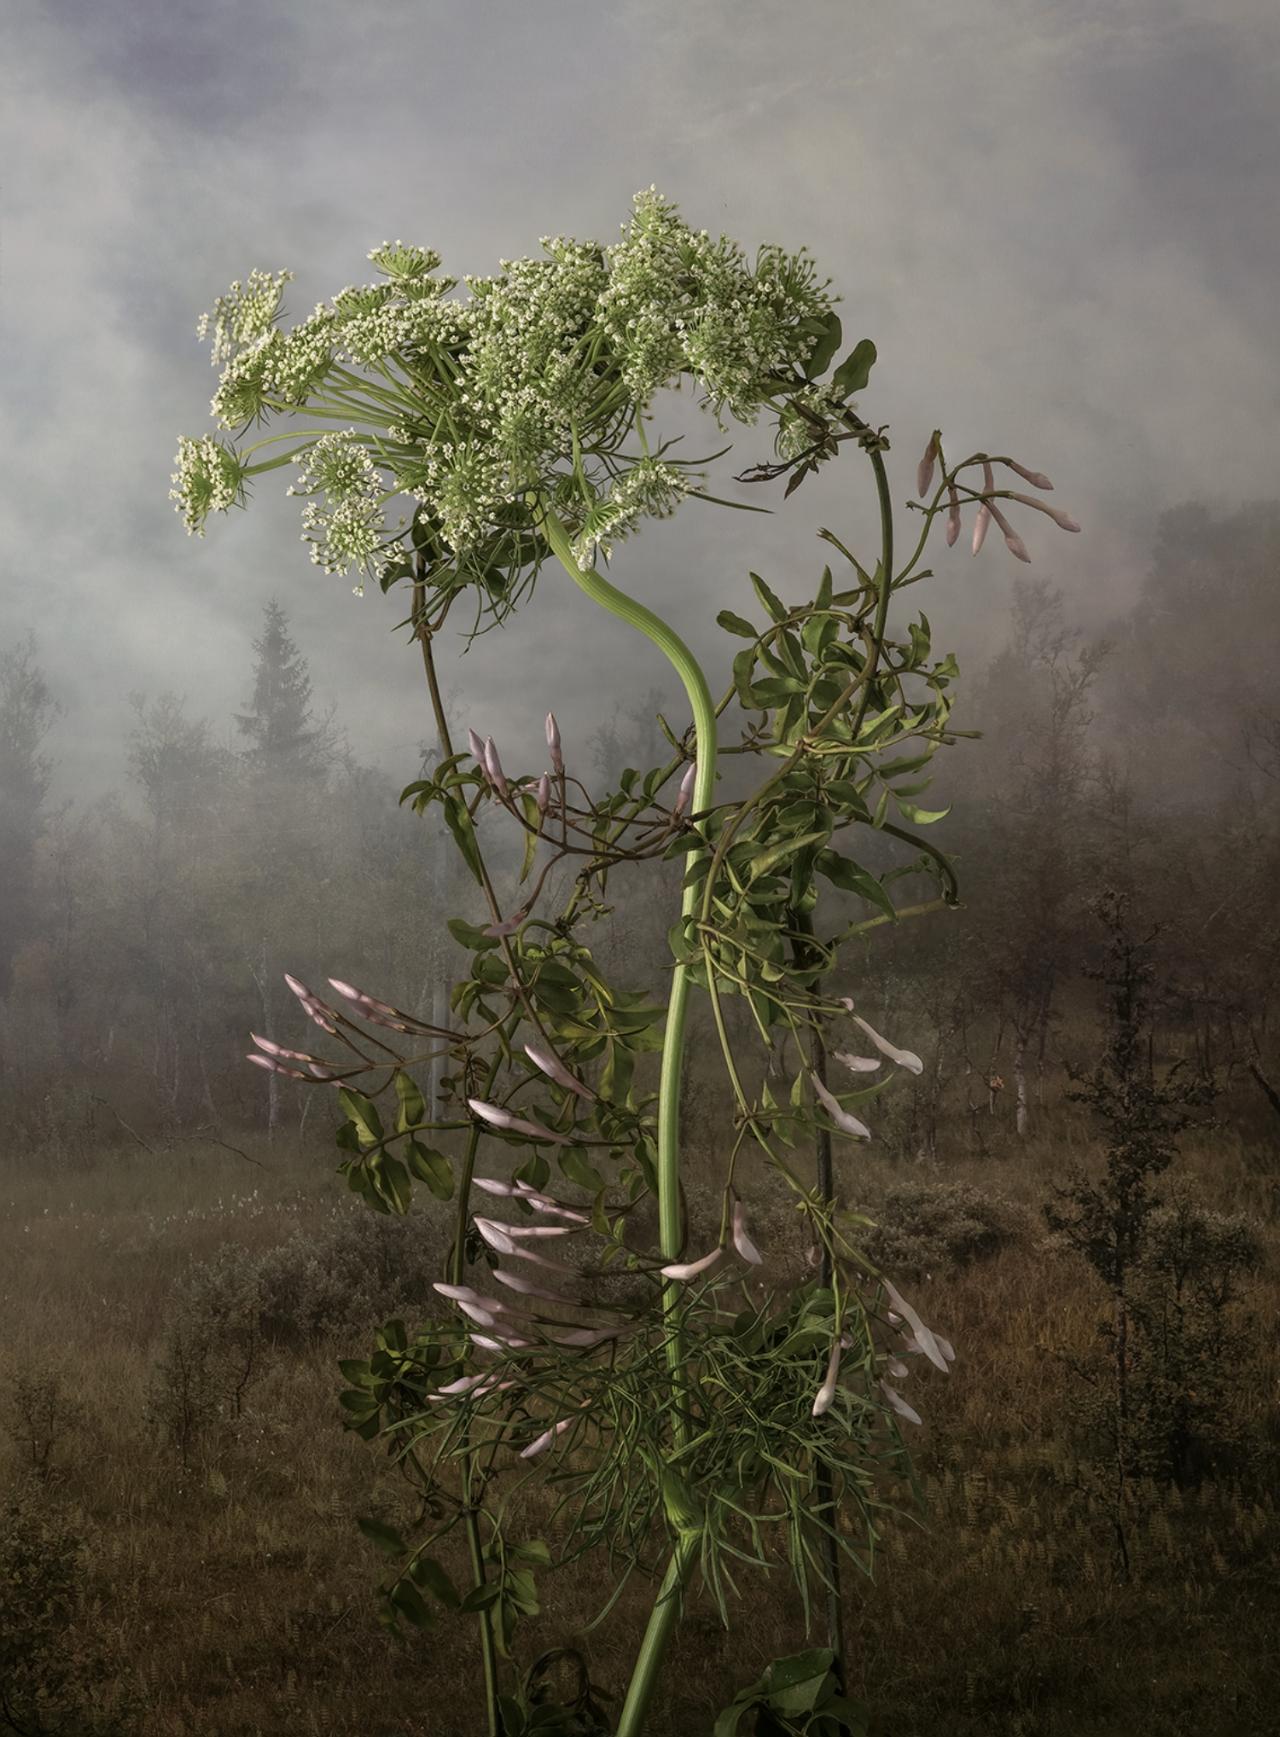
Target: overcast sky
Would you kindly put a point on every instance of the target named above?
(1058, 222)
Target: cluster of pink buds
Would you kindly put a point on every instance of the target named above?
(919, 1340)
(745, 1249)
(988, 510)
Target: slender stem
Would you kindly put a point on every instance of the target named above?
(657, 1637)
(458, 1258)
(804, 954)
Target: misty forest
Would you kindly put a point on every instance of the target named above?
(748, 1209)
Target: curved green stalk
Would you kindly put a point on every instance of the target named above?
(666, 1609)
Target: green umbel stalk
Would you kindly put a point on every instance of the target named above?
(662, 1620)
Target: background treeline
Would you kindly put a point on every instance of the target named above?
(142, 934)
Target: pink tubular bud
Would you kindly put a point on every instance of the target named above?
(509, 925)
(543, 797)
(553, 743)
(502, 1242)
(953, 516)
(527, 1287)
(275, 1067)
(1013, 541)
(1060, 518)
(545, 1440)
(685, 1270)
(476, 745)
(898, 1403)
(824, 1399)
(555, 1069)
(980, 526)
(509, 1124)
(319, 1011)
(924, 470)
(856, 1064)
(923, 1337)
(281, 1054)
(741, 1241)
(685, 793)
(376, 1012)
(493, 766)
(848, 1124)
(1036, 478)
(905, 1058)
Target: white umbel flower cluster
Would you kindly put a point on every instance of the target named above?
(349, 528)
(528, 387)
(209, 479)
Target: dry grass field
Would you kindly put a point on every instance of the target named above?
(225, 1590)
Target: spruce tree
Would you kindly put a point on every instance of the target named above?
(283, 737)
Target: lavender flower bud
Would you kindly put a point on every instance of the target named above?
(322, 1014)
(953, 516)
(476, 745)
(493, 766)
(376, 1012)
(825, 1396)
(898, 1403)
(543, 797)
(684, 1270)
(545, 1440)
(685, 793)
(1036, 478)
(1059, 518)
(924, 470)
(980, 526)
(856, 1064)
(741, 1241)
(905, 1058)
(847, 1123)
(924, 1338)
(555, 1069)
(499, 1118)
(553, 743)
(275, 1067)
(1012, 540)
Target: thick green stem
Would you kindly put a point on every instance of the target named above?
(666, 1610)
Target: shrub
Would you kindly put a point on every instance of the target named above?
(922, 1227)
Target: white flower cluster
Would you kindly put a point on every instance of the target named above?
(679, 302)
(349, 529)
(209, 479)
(246, 313)
(529, 385)
(650, 489)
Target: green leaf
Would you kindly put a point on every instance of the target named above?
(778, 853)
(852, 878)
(825, 348)
(922, 816)
(413, 1108)
(467, 935)
(854, 372)
(767, 598)
(431, 1167)
(392, 1181)
(736, 624)
(363, 1113)
(459, 823)
(432, 1577)
(387, 1539)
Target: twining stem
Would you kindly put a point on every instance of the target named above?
(663, 1617)
(457, 1260)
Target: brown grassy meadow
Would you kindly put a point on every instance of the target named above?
(234, 1596)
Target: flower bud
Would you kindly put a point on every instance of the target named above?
(476, 745)
(545, 1440)
(905, 1058)
(1013, 542)
(553, 743)
(1036, 478)
(509, 1124)
(741, 1241)
(1059, 518)
(924, 470)
(980, 526)
(848, 1124)
(953, 516)
(543, 797)
(493, 766)
(684, 1270)
(898, 1403)
(825, 1396)
(554, 1068)
(685, 793)
(319, 1011)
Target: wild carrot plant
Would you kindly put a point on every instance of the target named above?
(455, 446)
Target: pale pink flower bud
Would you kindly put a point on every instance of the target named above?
(741, 1241)
(905, 1058)
(924, 1338)
(554, 1068)
(509, 925)
(501, 1342)
(897, 1368)
(377, 1012)
(543, 797)
(553, 743)
(527, 1287)
(685, 793)
(924, 470)
(493, 766)
(856, 1064)
(1013, 541)
(1036, 478)
(498, 1238)
(898, 1403)
(826, 1394)
(980, 526)
(545, 1440)
(523, 1191)
(582, 1338)
(1060, 518)
(953, 516)
(319, 1011)
(684, 1270)
(278, 1050)
(847, 1123)
(275, 1067)
(476, 744)
(499, 1118)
